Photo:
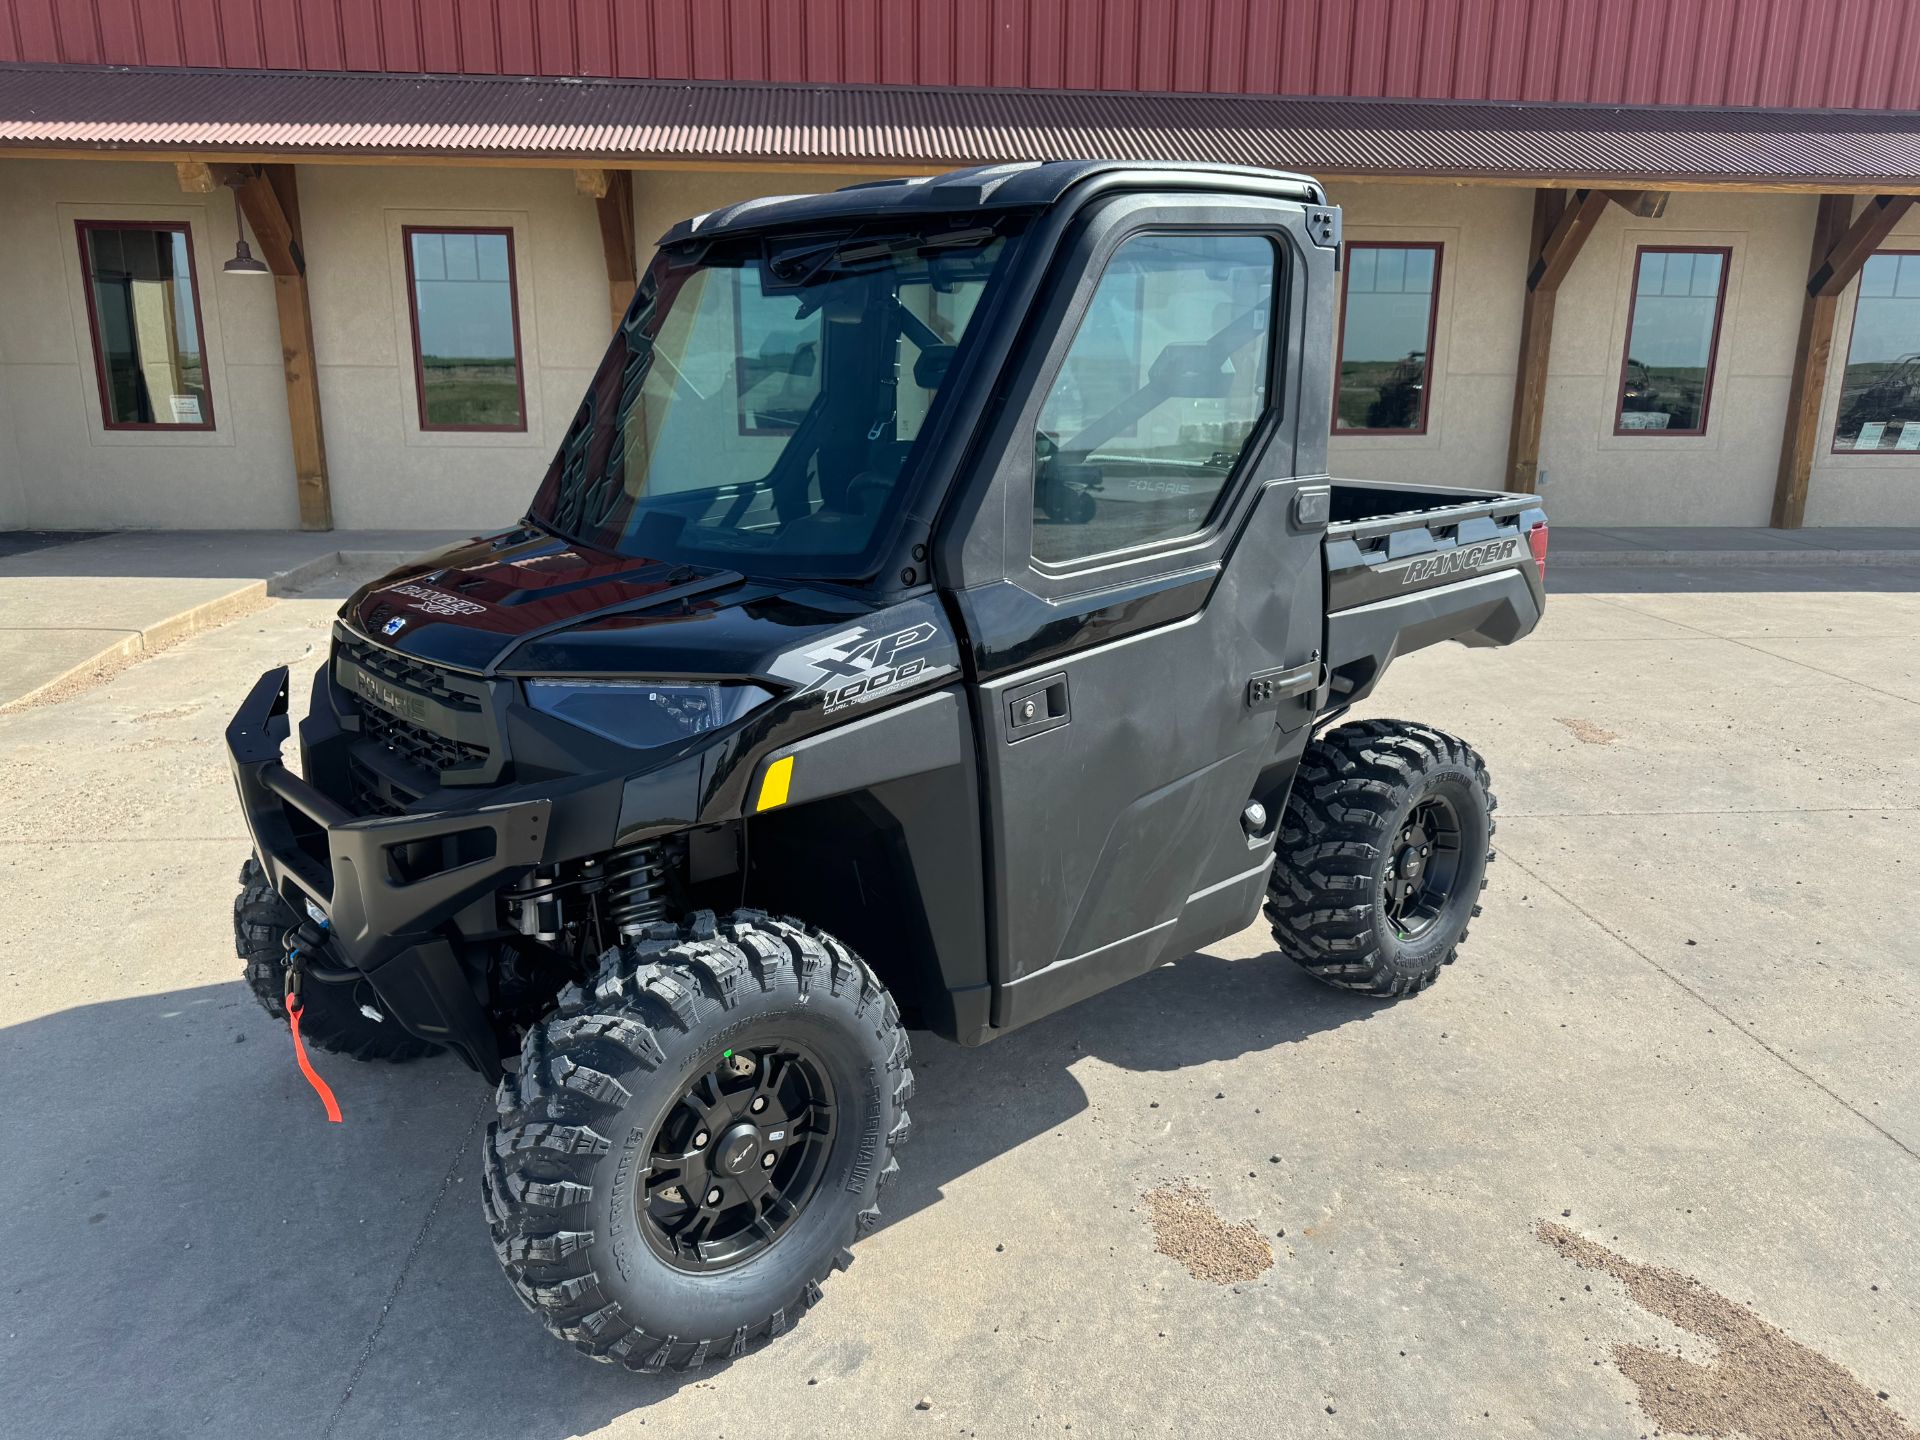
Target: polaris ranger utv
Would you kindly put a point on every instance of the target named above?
(949, 565)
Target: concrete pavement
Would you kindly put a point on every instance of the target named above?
(70, 606)
(1682, 1028)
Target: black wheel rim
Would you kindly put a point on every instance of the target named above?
(1423, 865)
(737, 1157)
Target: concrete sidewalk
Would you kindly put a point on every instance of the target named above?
(1730, 545)
(71, 605)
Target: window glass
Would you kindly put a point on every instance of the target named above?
(1880, 391)
(1672, 330)
(1163, 385)
(146, 326)
(1386, 330)
(466, 333)
(778, 370)
(760, 407)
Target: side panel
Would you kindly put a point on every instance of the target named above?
(1120, 832)
(1128, 707)
(878, 841)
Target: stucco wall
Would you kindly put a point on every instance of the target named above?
(1589, 475)
(1483, 235)
(1726, 476)
(69, 471)
(60, 467)
(386, 470)
(1874, 488)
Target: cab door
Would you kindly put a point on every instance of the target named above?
(1147, 659)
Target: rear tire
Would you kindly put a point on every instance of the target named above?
(1382, 856)
(639, 1101)
(330, 1015)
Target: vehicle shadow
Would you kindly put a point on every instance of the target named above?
(175, 1202)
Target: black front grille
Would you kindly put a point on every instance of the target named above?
(408, 674)
(375, 795)
(415, 744)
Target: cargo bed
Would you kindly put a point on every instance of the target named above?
(1409, 566)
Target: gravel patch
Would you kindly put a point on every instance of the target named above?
(1187, 1228)
(1763, 1385)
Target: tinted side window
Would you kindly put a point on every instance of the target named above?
(1165, 381)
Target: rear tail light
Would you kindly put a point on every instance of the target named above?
(1537, 542)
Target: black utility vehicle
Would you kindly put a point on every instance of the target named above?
(948, 564)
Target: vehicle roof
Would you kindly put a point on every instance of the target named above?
(1021, 185)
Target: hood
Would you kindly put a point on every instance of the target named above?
(529, 602)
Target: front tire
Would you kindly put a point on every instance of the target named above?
(690, 1146)
(1382, 857)
(331, 1018)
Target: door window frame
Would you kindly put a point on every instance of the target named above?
(1725, 252)
(1255, 442)
(81, 227)
(985, 530)
(1177, 552)
(1337, 431)
(407, 232)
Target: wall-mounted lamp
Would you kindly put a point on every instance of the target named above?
(242, 262)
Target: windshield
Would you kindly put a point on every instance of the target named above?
(760, 406)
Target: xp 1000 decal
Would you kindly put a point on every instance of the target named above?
(857, 665)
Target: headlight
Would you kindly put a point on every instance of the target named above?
(640, 714)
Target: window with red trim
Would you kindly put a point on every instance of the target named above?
(143, 312)
(1880, 388)
(1673, 333)
(466, 328)
(1384, 372)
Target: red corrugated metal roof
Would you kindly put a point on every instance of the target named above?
(1861, 54)
(375, 115)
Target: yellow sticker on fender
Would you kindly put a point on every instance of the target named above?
(773, 788)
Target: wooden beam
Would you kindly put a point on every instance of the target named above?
(1644, 204)
(1834, 273)
(1812, 356)
(1553, 259)
(1561, 225)
(615, 206)
(195, 177)
(1536, 339)
(270, 200)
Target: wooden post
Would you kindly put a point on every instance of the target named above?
(1561, 226)
(1841, 245)
(270, 200)
(1560, 229)
(615, 204)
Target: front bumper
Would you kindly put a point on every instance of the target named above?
(389, 887)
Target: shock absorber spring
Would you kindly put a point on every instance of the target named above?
(637, 887)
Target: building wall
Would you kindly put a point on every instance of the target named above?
(1483, 234)
(59, 467)
(69, 470)
(1866, 489)
(1726, 476)
(386, 470)
(1590, 476)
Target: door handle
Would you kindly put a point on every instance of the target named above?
(1270, 687)
(1037, 706)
